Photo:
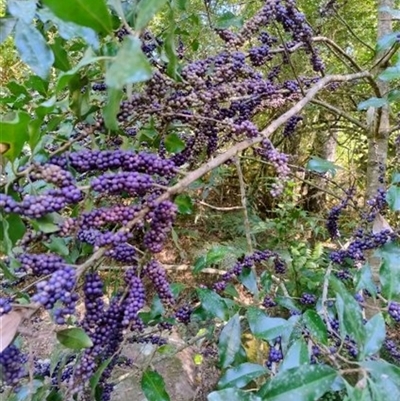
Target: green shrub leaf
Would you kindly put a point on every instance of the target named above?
(89, 13)
(74, 338)
(153, 386)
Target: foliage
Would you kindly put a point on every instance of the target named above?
(132, 117)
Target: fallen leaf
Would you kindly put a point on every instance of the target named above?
(8, 328)
(380, 224)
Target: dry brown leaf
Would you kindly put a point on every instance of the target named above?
(9, 327)
(4, 147)
(380, 224)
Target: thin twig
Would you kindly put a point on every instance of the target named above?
(243, 199)
(220, 208)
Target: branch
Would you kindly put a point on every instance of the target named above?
(340, 112)
(222, 209)
(339, 17)
(243, 199)
(220, 159)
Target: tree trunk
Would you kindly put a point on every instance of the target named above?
(379, 128)
(324, 147)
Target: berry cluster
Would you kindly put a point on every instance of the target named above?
(115, 183)
(334, 214)
(280, 163)
(40, 263)
(291, 125)
(12, 365)
(247, 262)
(183, 314)
(157, 275)
(148, 339)
(394, 311)
(362, 243)
(161, 218)
(5, 306)
(268, 302)
(58, 288)
(308, 299)
(134, 301)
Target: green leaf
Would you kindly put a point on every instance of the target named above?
(69, 30)
(180, 4)
(396, 178)
(6, 244)
(89, 13)
(364, 280)
(391, 73)
(14, 226)
(6, 26)
(232, 394)
(213, 303)
(14, 133)
(199, 264)
(264, 327)
(357, 394)
(386, 378)
(22, 9)
(394, 13)
(389, 273)
(315, 326)
(287, 303)
(46, 224)
(38, 84)
(58, 246)
(61, 56)
(297, 355)
(170, 49)
(387, 41)
(376, 102)
(146, 10)
(304, 383)
(321, 165)
(74, 338)
(229, 342)
(393, 197)
(241, 375)
(218, 253)
(94, 380)
(130, 65)
(33, 49)
(174, 144)
(228, 20)
(153, 386)
(376, 333)
(394, 95)
(249, 280)
(349, 313)
(184, 204)
(112, 107)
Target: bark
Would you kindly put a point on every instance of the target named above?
(378, 137)
(324, 147)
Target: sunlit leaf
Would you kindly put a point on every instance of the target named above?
(304, 383)
(89, 13)
(232, 394)
(74, 338)
(22, 9)
(153, 386)
(146, 10)
(375, 102)
(229, 342)
(33, 49)
(130, 65)
(14, 133)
